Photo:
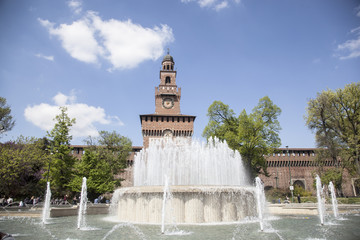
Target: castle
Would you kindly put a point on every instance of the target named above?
(289, 167)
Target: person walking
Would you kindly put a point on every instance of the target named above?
(299, 198)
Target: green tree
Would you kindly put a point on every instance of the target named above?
(22, 163)
(6, 120)
(104, 158)
(333, 175)
(334, 116)
(98, 173)
(254, 135)
(61, 161)
(116, 149)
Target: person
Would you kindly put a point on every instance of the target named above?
(299, 198)
(286, 200)
(279, 200)
(74, 201)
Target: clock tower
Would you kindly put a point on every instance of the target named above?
(167, 121)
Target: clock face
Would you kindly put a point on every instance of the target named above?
(168, 103)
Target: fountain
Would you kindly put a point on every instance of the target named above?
(333, 200)
(215, 203)
(320, 199)
(260, 199)
(81, 223)
(46, 208)
(208, 183)
(165, 199)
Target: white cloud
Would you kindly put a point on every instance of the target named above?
(77, 39)
(216, 5)
(221, 6)
(123, 44)
(61, 99)
(129, 44)
(350, 48)
(49, 58)
(86, 116)
(357, 9)
(75, 6)
(206, 3)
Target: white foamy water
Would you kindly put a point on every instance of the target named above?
(333, 200)
(189, 162)
(320, 199)
(46, 208)
(81, 224)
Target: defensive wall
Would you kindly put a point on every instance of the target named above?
(297, 164)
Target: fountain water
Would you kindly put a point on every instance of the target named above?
(81, 223)
(320, 199)
(333, 200)
(188, 162)
(46, 208)
(165, 198)
(260, 198)
(208, 183)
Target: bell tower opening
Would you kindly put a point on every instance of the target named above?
(167, 80)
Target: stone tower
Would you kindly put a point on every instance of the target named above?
(167, 121)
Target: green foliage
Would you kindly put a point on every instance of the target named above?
(61, 161)
(276, 193)
(22, 165)
(353, 200)
(116, 149)
(300, 190)
(6, 120)
(254, 135)
(105, 157)
(333, 175)
(98, 173)
(334, 116)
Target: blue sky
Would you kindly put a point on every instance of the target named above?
(102, 59)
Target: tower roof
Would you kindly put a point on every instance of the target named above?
(168, 57)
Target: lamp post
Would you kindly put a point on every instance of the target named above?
(291, 186)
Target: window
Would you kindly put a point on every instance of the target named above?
(167, 80)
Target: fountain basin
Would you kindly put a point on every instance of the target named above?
(189, 204)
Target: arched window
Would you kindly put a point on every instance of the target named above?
(167, 80)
